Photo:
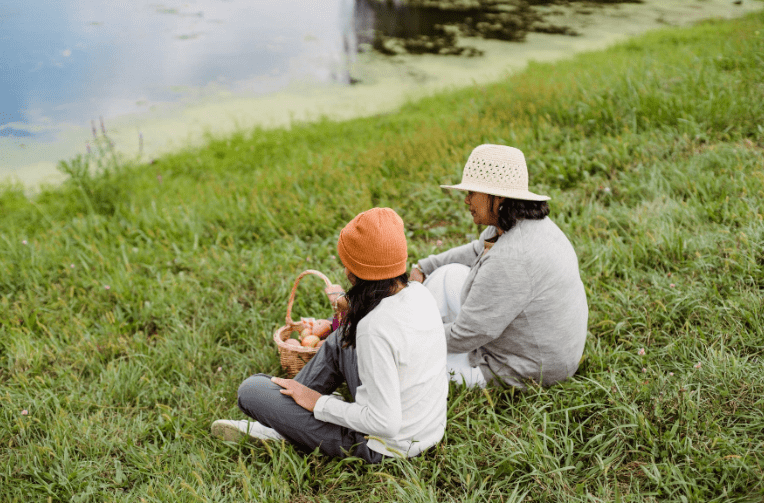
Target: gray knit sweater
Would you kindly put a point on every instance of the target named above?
(524, 313)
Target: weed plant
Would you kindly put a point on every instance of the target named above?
(134, 300)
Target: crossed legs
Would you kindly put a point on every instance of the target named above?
(261, 399)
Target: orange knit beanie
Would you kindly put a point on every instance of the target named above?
(373, 245)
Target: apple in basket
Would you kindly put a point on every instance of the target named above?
(322, 328)
(310, 341)
(313, 326)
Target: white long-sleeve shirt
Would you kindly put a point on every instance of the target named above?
(401, 352)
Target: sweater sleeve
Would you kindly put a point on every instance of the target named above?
(378, 372)
(500, 292)
(464, 254)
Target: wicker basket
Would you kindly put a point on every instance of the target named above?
(294, 358)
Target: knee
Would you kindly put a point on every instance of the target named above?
(254, 387)
(454, 274)
(448, 277)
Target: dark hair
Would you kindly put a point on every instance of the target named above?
(513, 210)
(362, 298)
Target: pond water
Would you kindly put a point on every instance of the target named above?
(164, 74)
(64, 64)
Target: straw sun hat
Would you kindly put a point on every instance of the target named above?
(498, 170)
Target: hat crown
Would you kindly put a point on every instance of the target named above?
(373, 245)
(498, 170)
(497, 166)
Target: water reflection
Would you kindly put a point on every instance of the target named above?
(70, 60)
(64, 63)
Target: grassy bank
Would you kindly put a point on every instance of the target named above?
(134, 302)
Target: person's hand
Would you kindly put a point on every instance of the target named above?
(337, 297)
(304, 396)
(416, 275)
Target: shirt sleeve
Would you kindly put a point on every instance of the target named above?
(464, 254)
(377, 368)
(500, 292)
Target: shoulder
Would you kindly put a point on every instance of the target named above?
(538, 247)
(419, 298)
(526, 243)
(414, 298)
(411, 307)
(529, 231)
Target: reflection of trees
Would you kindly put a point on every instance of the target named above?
(434, 26)
(421, 26)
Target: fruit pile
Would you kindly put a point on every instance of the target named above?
(310, 333)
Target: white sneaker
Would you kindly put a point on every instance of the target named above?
(233, 431)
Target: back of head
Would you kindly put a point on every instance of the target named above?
(373, 245)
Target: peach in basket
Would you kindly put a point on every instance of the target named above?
(311, 326)
(310, 341)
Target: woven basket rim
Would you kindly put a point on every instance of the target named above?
(288, 347)
(292, 325)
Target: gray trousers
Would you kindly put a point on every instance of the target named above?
(261, 399)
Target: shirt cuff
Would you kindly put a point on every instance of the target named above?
(320, 407)
(426, 266)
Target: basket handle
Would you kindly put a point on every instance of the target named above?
(289, 321)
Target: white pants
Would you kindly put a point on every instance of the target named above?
(445, 283)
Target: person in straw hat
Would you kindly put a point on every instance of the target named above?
(390, 349)
(512, 302)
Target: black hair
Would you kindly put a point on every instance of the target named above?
(362, 298)
(513, 210)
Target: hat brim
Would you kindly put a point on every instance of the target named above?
(498, 191)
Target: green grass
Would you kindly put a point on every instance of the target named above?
(653, 153)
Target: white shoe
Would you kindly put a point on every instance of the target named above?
(233, 431)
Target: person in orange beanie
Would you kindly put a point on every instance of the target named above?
(390, 349)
